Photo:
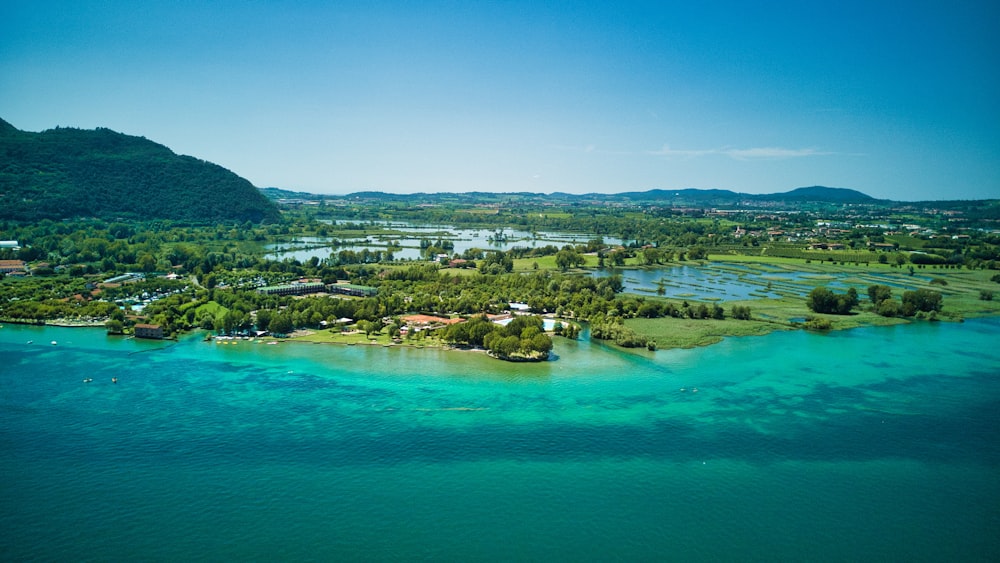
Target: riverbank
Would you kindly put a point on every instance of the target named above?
(357, 338)
(61, 322)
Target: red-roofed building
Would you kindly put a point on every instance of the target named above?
(7, 266)
(428, 320)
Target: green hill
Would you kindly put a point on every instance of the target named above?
(64, 173)
(822, 193)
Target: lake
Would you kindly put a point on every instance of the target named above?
(869, 444)
(409, 237)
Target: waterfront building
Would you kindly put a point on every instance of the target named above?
(148, 331)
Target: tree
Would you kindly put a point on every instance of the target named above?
(263, 319)
(921, 300)
(540, 343)
(697, 253)
(822, 300)
(741, 312)
(368, 327)
(567, 258)
(229, 321)
(888, 308)
(458, 333)
(650, 255)
(849, 302)
(879, 293)
(114, 326)
(146, 262)
(649, 310)
(479, 327)
(718, 312)
(281, 323)
(571, 331)
(508, 345)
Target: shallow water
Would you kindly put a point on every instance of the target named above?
(735, 282)
(462, 239)
(870, 444)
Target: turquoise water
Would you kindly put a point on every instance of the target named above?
(871, 444)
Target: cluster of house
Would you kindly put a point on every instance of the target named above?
(13, 268)
(419, 322)
(308, 287)
(835, 230)
(127, 277)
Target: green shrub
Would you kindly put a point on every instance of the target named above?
(818, 323)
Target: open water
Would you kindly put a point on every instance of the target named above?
(871, 444)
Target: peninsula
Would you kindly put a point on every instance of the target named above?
(506, 273)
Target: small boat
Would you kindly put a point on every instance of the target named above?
(54, 343)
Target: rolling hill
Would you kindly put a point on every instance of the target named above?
(66, 173)
(688, 196)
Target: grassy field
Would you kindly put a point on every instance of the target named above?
(689, 333)
(212, 308)
(781, 304)
(352, 338)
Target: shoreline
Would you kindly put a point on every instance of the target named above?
(61, 322)
(303, 336)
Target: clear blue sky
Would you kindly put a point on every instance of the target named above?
(900, 100)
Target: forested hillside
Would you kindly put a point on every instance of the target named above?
(64, 173)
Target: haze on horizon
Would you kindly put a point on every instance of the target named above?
(894, 99)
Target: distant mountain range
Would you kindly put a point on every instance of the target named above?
(67, 173)
(814, 198)
(815, 194)
(689, 196)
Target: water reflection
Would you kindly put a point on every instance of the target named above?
(408, 237)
